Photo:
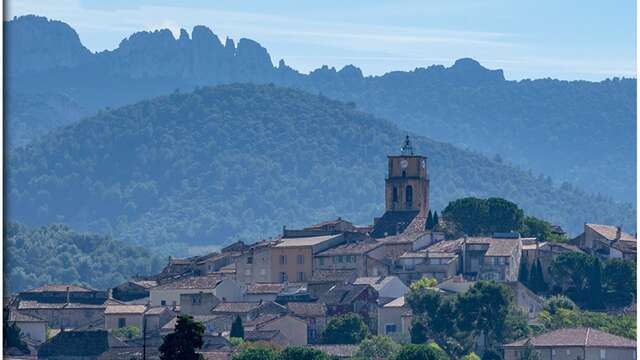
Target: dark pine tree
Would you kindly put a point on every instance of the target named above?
(594, 285)
(429, 224)
(436, 220)
(523, 275)
(183, 342)
(237, 330)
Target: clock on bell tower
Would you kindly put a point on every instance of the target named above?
(407, 183)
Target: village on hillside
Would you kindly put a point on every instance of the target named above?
(340, 288)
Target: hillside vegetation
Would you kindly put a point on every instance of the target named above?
(56, 254)
(579, 132)
(239, 161)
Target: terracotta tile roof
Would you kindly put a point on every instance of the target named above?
(376, 282)
(445, 246)
(157, 310)
(147, 284)
(217, 355)
(399, 302)
(356, 248)
(393, 223)
(307, 309)
(59, 288)
(576, 337)
(17, 316)
(124, 309)
(32, 304)
(497, 247)
(260, 335)
(343, 294)
(609, 232)
(342, 351)
(625, 246)
(194, 282)
(328, 222)
(305, 241)
(329, 275)
(265, 288)
(236, 307)
(90, 343)
(261, 320)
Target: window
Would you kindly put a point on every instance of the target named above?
(553, 352)
(300, 276)
(283, 259)
(283, 277)
(122, 322)
(603, 354)
(300, 259)
(568, 351)
(404, 173)
(409, 196)
(196, 299)
(335, 259)
(321, 261)
(390, 328)
(395, 194)
(163, 302)
(348, 258)
(340, 259)
(250, 260)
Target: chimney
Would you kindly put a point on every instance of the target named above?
(618, 232)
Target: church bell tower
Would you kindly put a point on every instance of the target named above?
(407, 184)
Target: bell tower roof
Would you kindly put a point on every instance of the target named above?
(407, 148)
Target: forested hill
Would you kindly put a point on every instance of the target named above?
(56, 254)
(239, 161)
(576, 131)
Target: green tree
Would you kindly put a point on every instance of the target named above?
(237, 330)
(418, 332)
(345, 329)
(523, 274)
(536, 279)
(379, 347)
(556, 302)
(302, 353)
(256, 353)
(570, 271)
(418, 352)
(491, 355)
(529, 353)
(485, 308)
(128, 332)
(12, 337)
(475, 216)
(183, 342)
(429, 223)
(538, 228)
(619, 280)
(594, 284)
(436, 220)
(471, 356)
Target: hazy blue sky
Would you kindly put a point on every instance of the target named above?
(563, 39)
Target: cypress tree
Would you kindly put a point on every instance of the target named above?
(594, 285)
(429, 224)
(435, 220)
(237, 330)
(536, 281)
(523, 275)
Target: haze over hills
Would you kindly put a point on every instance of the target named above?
(575, 131)
(241, 160)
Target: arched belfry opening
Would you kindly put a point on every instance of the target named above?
(409, 197)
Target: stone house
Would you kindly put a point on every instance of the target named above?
(530, 303)
(292, 258)
(133, 290)
(394, 320)
(248, 310)
(290, 326)
(580, 343)
(80, 345)
(606, 242)
(169, 293)
(263, 291)
(438, 261)
(361, 258)
(315, 315)
(270, 336)
(199, 303)
(157, 317)
(120, 315)
(254, 265)
(350, 298)
(388, 287)
(486, 258)
(30, 326)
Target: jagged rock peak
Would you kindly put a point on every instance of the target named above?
(184, 35)
(351, 71)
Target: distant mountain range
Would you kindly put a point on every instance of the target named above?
(241, 160)
(575, 131)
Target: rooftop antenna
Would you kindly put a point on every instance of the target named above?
(407, 148)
